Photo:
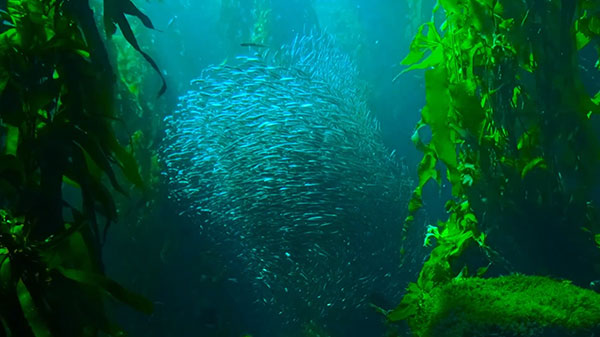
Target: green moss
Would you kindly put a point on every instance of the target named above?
(516, 305)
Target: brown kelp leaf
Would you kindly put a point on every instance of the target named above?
(114, 13)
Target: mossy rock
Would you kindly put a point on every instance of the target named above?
(516, 305)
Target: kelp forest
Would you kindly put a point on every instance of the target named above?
(301, 168)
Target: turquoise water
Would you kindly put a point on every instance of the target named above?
(285, 160)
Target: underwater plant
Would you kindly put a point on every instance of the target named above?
(262, 22)
(60, 158)
(511, 123)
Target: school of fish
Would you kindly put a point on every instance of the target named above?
(279, 159)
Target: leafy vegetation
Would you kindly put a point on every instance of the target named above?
(511, 130)
(262, 23)
(60, 164)
(237, 16)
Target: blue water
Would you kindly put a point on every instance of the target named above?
(204, 284)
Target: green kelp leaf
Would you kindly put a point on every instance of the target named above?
(17, 230)
(464, 207)
(128, 163)
(37, 324)
(481, 17)
(420, 46)
(468, 219)
(529, 139)
(596, 98)
(68, 249)
(416, 52)
(475, 50)
(432, 232)
(416, 202)
(482, 270)
(408, 306)
(427, 170)
(416, 139)
(530, 64)
(515, 97)
(375, 307)
(463, 273)
(7, 18)
(445, 150)
(422, 43)
(597, 239)
(535, 162)
(69, 45)
(12, 140)
(91, 149)
(435, 113)
(450, 5)
(507, 24)
(6, 279)
(436, 270)
(438, 115)
(582, 40)
(454, 237)
(113, 288)
(467, 106)
(70, 182)
(407, 222)
(436, 57)
(402, 312)
(467, 180)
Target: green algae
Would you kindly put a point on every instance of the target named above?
(516, 305)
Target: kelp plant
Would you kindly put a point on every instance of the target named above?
(511, 122)
(57, 161)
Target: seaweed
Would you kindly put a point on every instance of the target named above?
(59, 168)
(511, 125)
